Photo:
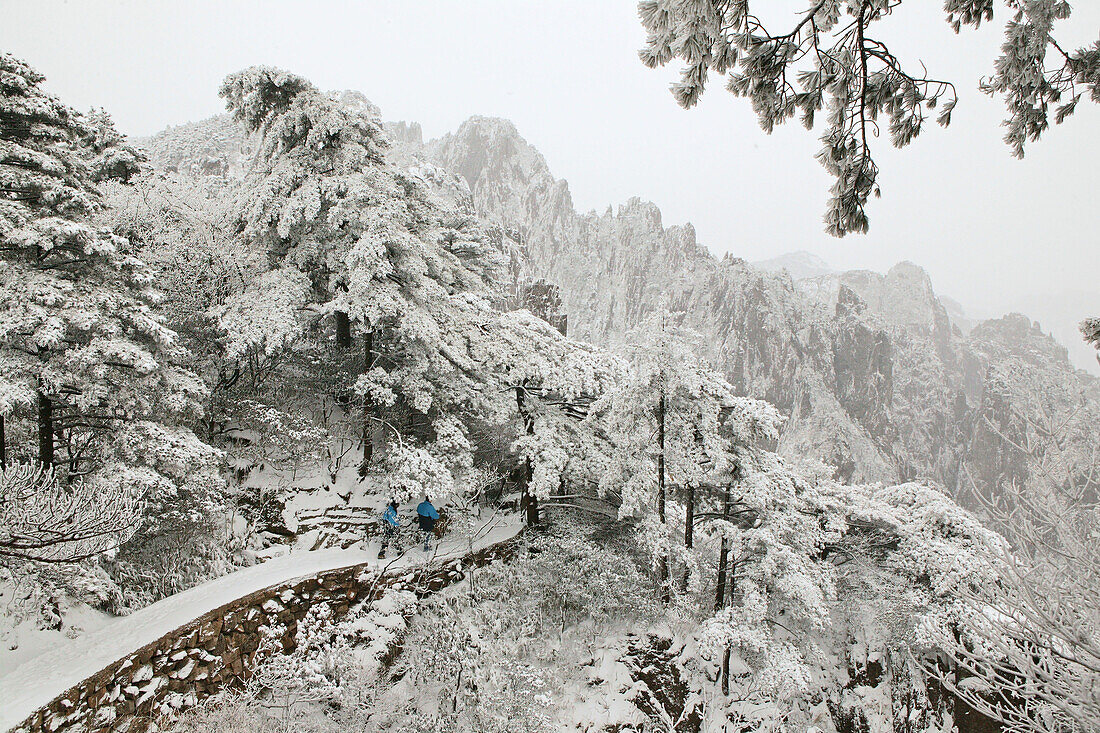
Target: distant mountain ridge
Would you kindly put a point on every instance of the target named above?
(799, 265)
(870, 369)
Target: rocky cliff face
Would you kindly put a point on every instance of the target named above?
(214, 146)
(874, 375)
(870, 369)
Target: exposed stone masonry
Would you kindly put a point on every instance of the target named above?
(219, 648)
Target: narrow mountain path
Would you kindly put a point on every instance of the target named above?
(85, 671)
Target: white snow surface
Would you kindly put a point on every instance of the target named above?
(34, 683)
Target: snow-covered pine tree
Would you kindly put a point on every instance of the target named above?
(113, 157)
(312, 151)
(820, 564)
(351, 235)
(677, 433)
(40, 175)
(348, 232)
(1090, 327)
(834, 56)
(80, 340)
(548, 381)
(78, 328)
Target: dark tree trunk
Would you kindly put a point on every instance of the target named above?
(529, 503)
(45, 430)
(661, 459)
(720, 592)
(3, 446)
(724, 578)
(368, 408)
(723, 556)
(689, 526)
(663, 562)
(531, 515)
(343, 330)
(726, 671)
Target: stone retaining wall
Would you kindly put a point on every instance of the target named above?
(217, 649)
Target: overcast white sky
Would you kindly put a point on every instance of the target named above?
(995, 233)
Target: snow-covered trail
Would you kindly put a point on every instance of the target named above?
(37, 681)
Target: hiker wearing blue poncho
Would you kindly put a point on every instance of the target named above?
(390, 524)
(426, 514)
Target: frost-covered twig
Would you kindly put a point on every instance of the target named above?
(1027, 648)
(41, 519)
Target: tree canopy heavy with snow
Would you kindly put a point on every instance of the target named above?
(675, 428)
(830, 58)
(82, 343)
(78, 326)
(350, 234)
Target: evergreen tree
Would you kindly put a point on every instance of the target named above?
(78, 328)
(80, 337)
(554, 381)
(1090, 327)
(676, 428)
(832, 52)
(348, 232)
(112, 157)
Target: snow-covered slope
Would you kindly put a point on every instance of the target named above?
(30, 685)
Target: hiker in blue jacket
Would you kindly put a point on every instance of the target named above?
(390, 524)
(426, 515)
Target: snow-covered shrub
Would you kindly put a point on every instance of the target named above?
(184, 539)
(287, 682)
(236, 712)
(494, 653)
(584, 574)
(327, 683)
(460, 672)
(43, 519)
(164, 564)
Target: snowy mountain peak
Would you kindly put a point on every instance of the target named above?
(645, 210)
(799, 265)
(493, 148)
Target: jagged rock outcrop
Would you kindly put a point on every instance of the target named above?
(870, 369)
(874, 374)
